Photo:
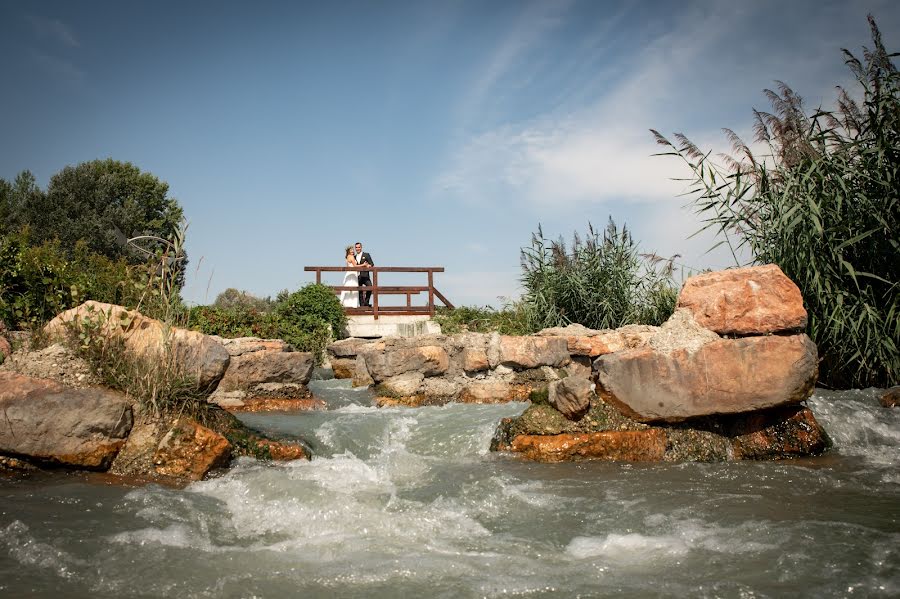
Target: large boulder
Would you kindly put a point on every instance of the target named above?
(522, 353)
(202, 358)
(267, 366)
(745, 301)
(721, 377)
(48, 422)
(430, 360)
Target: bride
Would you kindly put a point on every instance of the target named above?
(350, 299)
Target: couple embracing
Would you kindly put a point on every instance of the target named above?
(352, 278)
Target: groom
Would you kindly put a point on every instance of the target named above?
(364, 259)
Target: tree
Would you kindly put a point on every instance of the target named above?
(14, 197)
(103, 202)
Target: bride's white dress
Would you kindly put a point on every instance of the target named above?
(350, 299)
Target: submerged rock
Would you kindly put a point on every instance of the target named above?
(189, 451)
(890, 398)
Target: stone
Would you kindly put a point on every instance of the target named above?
(343, 368)
(245, 345)
(56, 362)
(5, 349)
(202, 358)
(890, 398)
(282, 451)
(490, 392)
(571, 396)
(681, 331)
(647, 445)
(189, 451)
(402, 385)
(361, 376)
(48, 422)
(580, 366)
(440, 387)
(475, 359)
(582, 341)
(533, 352)
(755, 300)
(430, 360)
(722, 377)
(786, 432)
(227, 399)
(277, 404)
(267, 366)
(351, 347)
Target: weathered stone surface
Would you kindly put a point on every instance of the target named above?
(268, 366)
(245, 345)
(56, 362)
(786, 432)
(343, 368)
(571, 396)
(189, 451)
(351, 347)
(725, 376)
(475, 359)
(361, 376)
(275, 404)
(890, 398)
(629, 446)
(582, 341)
(430, 360)
(202, 358)
(401, 385)
(681, 331)
(533, 352)
(745, 301)
(45, 421)
(282, 451)
(493, 392)
(5, 348)
(580, 366)
(227, 399)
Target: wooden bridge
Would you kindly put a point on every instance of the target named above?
(381, 290)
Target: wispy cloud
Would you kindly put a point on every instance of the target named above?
(53, 29)
(59, 68)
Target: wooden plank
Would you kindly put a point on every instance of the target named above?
(443, 299)
(374, 269)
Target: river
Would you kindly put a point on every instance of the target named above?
(410, 503)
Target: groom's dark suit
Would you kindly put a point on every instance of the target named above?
(364, 280)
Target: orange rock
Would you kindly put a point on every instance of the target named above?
(282, 451)
(890, 398)
(278, 404)
(5, 348)
(343, 368)
(647, 445)
(475, 359)
(776, 434)
(189, 451)
(744, 301)
(489, 392)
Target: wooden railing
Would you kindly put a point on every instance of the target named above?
(377, 290)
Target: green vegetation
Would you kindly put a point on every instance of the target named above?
(508, 321)
(601, 282)
(824, 205)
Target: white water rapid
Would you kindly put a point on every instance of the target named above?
(410, 503)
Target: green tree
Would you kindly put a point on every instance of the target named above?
(824, 205)
(102, 202)
(14, 198)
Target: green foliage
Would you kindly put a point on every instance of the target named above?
(508, 321)
(233, 322)
(824, 206)
(232, 298)
(313, 300)
(602, 282)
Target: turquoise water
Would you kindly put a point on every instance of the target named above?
(410, 503)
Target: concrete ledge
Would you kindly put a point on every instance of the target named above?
(391, 326)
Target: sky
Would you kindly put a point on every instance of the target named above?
(435, 133)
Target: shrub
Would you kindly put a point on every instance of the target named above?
(824, 206)
(232, 298)
(316, 301)
(508, 321)
(601, 282)
(233, 322)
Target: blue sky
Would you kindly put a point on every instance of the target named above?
(437, 133)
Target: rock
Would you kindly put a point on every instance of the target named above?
(582, 341)
(439, 387)
(5, 349)
(361, 376)
(475, 359)
(890, 398)
(277, 404)
(55, 362)
(571, 396)
(489, 392)
(725, 376)
(283, 451)
(756, 300)
(351, 347)
(786, 432)
(189, 451)
(45, 421)
(227, 399)
(580, 366)
(343, 368)
(402, 385)
(628, 446)
(681, 331)
(533, 352)
(202, 358)
(268, 366)
(430, 360)
(245, 345)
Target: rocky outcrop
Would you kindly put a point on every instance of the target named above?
(201, 357)
(250, 369)
(756, 300)
(189, 451)
(342, 355)
(47, 422)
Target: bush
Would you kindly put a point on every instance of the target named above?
(232, 298)
(313, 300)
(824, 206)
(233, 322)
(602, 282)
(508, 321)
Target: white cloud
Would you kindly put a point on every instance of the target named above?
(54, 29)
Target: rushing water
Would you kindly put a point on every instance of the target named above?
(410, 503)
